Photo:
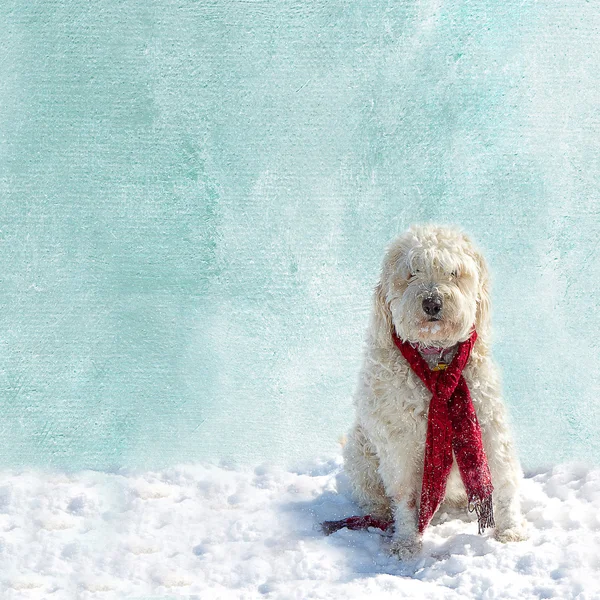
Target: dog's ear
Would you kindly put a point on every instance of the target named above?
(482, 318)
(381, 319)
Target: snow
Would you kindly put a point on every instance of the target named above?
(210, 532)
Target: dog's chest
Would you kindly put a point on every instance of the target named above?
(408, 399)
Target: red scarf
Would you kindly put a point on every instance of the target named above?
(451, 425)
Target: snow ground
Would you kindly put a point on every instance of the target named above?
(209, 532)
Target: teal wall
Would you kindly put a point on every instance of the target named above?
(196, 196)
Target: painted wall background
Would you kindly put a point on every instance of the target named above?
(196, 197)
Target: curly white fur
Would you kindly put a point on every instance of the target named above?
(384, 452)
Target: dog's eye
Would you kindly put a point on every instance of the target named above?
(413, 274)
(454, 273)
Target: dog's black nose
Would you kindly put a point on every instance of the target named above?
(432, 305)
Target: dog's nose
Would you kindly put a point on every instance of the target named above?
(432, 305)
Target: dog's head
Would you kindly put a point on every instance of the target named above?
(433, 289)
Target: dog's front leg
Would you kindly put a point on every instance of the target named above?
(406, 542)
(510, 524)
(506, 477)
(400, 485)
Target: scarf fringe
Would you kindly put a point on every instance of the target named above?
(484, 509)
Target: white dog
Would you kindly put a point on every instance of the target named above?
(433, 289)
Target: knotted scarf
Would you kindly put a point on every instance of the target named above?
(451, 426)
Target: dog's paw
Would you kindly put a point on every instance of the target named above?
(514, 534)
(405, 548)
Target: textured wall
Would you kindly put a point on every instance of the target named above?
(196, 197)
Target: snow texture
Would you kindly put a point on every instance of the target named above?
(196, 196)
(214, 532)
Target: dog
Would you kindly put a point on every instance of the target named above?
(433, 290)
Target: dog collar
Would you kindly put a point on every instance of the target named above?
(443, 355)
